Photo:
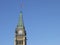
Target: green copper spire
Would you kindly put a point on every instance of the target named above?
(20, 23)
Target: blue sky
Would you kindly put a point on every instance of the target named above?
(41, 20)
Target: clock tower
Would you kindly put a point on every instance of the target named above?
(20, 33)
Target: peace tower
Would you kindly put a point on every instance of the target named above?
(20, 33)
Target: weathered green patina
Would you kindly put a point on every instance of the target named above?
(20, 22)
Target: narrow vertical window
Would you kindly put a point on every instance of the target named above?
(17, 42)
(21, 42)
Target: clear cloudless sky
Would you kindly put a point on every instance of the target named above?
(41, 20)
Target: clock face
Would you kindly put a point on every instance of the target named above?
(20, 32)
